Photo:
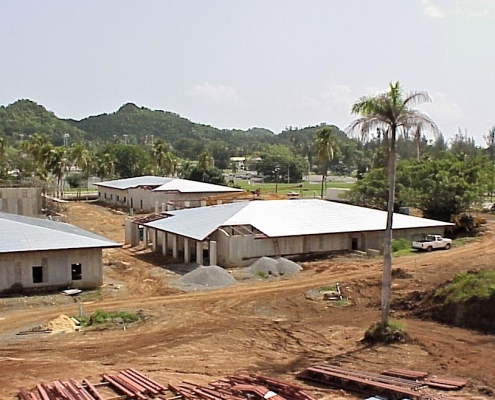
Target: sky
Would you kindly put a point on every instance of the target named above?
(251, 63)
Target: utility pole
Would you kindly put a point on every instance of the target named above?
(276, 178)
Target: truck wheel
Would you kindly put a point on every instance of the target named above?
(447, 246)
(429, 248)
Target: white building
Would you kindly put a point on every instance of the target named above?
(146, 193)
(237, 234)
(40, 254)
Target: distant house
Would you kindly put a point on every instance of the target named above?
(145, 193)
(40, 254)
(236, 234)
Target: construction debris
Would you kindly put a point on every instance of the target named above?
(392, 384)
(431, 381)
(241, 387)
(132, 384)
(129, 383)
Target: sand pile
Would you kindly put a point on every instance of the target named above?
(61, 323)
(266, 266)
(206, 277)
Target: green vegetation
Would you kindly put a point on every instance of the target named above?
(389, 332)
(99, 318)
(340, 303)
(262, 274)
(305, 189)
(470, 285)
(401, 247)
(462, 241)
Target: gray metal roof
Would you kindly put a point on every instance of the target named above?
(279, 218)
(166, 185)
(19, 233)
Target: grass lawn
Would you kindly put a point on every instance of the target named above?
(305, 189)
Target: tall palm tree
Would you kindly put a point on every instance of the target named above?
(205, 162)
(393, 114)
(80, 158)
(325, 146)
(59, 167)
(165, 160)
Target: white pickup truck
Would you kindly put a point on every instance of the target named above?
(431, 242)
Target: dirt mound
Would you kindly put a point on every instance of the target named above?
(63, 323)
(210, 277)
(473, 314)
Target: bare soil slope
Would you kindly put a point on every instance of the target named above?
(265, 326)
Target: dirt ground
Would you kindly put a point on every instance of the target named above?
(266, 326)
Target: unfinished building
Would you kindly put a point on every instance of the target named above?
(236, 234)
(38, 254)
(148, 193)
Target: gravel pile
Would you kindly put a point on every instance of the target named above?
(267, 266)
(206, 277)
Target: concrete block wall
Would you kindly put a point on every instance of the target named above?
(21, 201)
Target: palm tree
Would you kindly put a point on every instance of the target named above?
(325, 145)
(165, 160)
(205, 162)
(392, 113)
(59, 166)
(80, 158)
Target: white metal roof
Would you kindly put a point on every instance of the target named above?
(20, 233)
(187, 186)
(279, 218)
(166, 184)
(129, 183)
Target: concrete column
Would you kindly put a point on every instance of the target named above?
(164, 207)
(145, 237)
(203, 203)
(187, 204)
(175, 250)
(213, 253)
(199, 253)
(131, 233)
(157, 210)
(187, 252)
(219, 202)
(154, 239)
(164, 243)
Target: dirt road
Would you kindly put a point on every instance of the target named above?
(266, 326)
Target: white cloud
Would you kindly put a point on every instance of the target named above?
(215, 94)
(475, 8)
(463, 8)
(445, 109)
(432, 10)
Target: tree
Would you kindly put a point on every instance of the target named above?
(490, 142)
(165, 160)
(81, 159)
(205, 163)
(392, 113)
(325, 145)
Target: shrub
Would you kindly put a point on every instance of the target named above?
(390, 332)
(100, 317)
(400, 244)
